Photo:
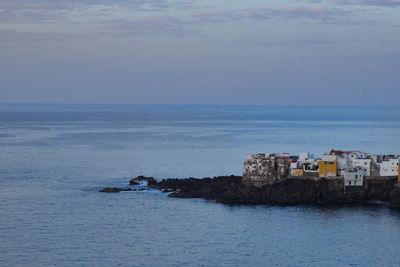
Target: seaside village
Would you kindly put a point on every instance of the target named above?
(351, 166)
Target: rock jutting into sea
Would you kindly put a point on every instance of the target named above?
(291, 191)
(339, 177)
(117, 190)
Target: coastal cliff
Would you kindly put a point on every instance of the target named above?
(291, 191)
(304, 190)
(340, 177)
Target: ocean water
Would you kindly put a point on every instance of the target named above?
(55, 158)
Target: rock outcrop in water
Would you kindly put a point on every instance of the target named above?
(115, 190)
(229, 189)
(141, 178)
(134, 181)
(291, 191)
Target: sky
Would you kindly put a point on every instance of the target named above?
(239, 52)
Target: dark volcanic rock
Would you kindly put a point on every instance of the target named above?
(143, 189)
(136, 180)
(167, 190)
(200, 188)
(115, 190)
(290, 191)
(379, 188)
(394, 197)
(229, 189)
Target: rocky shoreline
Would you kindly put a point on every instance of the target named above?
(291, 191)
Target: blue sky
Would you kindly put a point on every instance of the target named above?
(296, 52)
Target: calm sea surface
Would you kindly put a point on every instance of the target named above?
(55, 158)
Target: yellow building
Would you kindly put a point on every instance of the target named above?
(327, 168)
(297, 172)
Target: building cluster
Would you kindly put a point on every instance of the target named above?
(351, 166)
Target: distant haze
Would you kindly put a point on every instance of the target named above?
(296, 52)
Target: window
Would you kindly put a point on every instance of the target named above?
(365, 163)
(356, 176)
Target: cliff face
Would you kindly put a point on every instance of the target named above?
(214, 189)
(379, 188)
(230, 189)
(394, 197)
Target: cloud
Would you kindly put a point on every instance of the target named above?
(298, 43)
(39, 11)
(154, 26)
(382, 3)
(376, 57)
(322, 14)
(179, 26)
(117, 18)
(50, 11)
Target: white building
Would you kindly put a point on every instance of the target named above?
(389, 167)
(343, 163)
(357, 155)
(377, 158)
(306, 157)
(353, 177)
(313, 165)
(353, 159)
(327, 157)
(363, 163)
(294, 165)
(307, 161)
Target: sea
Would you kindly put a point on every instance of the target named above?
(54, 159)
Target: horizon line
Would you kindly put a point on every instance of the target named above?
(177, 104)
